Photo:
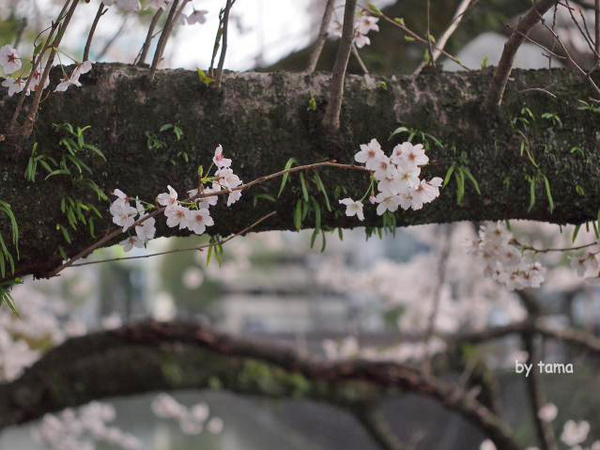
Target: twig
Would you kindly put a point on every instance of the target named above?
(418, 38)
(361, 63)
(313, 59)
(180, 250)
(144, 51)
(228, 6)
(443, 40)
(115, 233)
(502, 73)
(429, 43)
(164, 36)
(331, 121)
(88, 44)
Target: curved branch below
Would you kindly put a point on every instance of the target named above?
(155, 356)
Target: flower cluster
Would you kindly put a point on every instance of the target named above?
(397, 179)
(363, 24)
(191, 420)
(192, 214)
(71, 430)
(504, 259)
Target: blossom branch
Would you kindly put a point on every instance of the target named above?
(115, 233)
(225, 29)
(180, 250)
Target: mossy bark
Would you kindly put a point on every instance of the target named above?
(263, 119)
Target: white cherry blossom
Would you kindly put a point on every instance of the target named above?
(353, 208)
(9, 59)
(198, 220)
(176, 216)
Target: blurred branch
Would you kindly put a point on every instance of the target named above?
(225, 28)
(133, 358)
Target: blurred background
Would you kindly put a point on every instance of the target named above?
(361, 297)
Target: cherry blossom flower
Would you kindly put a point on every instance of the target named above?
(369, 154)
(226, 178)
(575, 433)
(219, 159)
(215, 425)
(36, 78)
(548, 412)
(586, 263)
(198, 16)
(9, 59)
(353, 208)
(233, 197)
(123, 213)
(386, 203)
(167, 407)
(409, 155)
(146, 230)
(168, 199)
(176, 215)
(198, 220)
(132, 241)
(73, 79)
(385, 169)
(14, 85)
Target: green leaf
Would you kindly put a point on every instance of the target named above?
(286, 175)
(548, 193)
(470, 176)
(304, 187)
(321, 186)
(575, 233)
(399, 130)
(204, 79)
(448, 176)
(532, 185)
(298, 215)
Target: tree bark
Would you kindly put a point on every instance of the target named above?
(263, 119)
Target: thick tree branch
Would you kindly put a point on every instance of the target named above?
(263, 119)
(169, 356)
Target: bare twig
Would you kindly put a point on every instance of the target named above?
(88, 44)
(420, 39)
(361, 63)
(502, 73)
(180, 250)
(228, 6)
(331, 121)
(146, 46)
(174, 14)
(313, 59)
(443, 40)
